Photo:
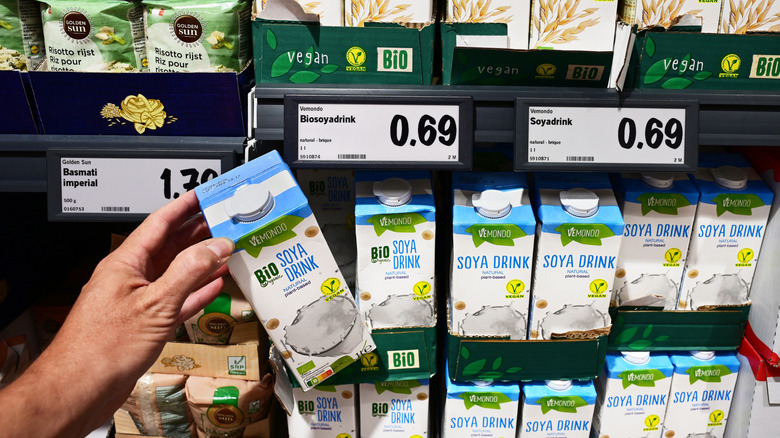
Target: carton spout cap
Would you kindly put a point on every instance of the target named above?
(658, 180)
(636, 357)
(580, 202)
(493, 204)
(558, 385)
(250, 202)
(393, 192)
(730, 177)
(703, 355)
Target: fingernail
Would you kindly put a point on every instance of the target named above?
(222, 247)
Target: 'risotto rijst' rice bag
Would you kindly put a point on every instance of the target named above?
(21, 35)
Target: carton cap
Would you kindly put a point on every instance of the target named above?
(730, 177)
(658, 180)
(558, 385)
(492, 204)
(636, 357)
(393, 192)
(249, 203)
(580, 202)
(703, 355)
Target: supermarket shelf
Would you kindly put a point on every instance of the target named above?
(742, 118)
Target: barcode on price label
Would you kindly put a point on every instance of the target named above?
(352, 156)
(118, 209)
(580, 158)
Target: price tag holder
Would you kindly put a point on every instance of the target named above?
(111, 185)
(389, 132)
(602, 135)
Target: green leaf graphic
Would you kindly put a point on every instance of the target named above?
(309, 57)
(657, 71)
(270, 38)
(650, 46)
(500, 235)
(737, 203)
(676, 83)
(662, 203)
(474, 367)
(490, 375)
(497, 363)
(584, 234)
(640, 344)
(702, 75)
(642, 378)
(304, 77)
(661, 338)
(647, 331)
(707, 373)
(513, 370)
(400, 387)
(566, 404)
(684, 65)
(464, 352)
(487, 400)
(397, 223)
(329, 68)
(325, 388)
(272, 234)
(626, 335)
(282, 64)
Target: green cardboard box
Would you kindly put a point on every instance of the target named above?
(307, 53)
(683, 60)
(486, 66)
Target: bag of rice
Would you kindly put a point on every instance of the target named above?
(224, 407)
(158, 406)
(198, 35)
(214, 324)
(21, 35)
(89, 35)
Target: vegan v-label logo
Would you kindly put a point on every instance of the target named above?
(356, 57)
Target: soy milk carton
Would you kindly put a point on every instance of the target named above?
(632, 395)
(285, 269)
(395, 221)
(326, 411)
(480, 409)
(399, 408)
(728, 231)
(578, 244)
(557, 408)
(658, 209)
(701, 394)
(492, 250)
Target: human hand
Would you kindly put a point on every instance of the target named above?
(161, 275)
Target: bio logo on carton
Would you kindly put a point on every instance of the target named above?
(728, 232)
(285, 269)
(395, 220)
(632, 395)
(326, 411)
(480, 409)
(701, 393)
(577, 248)
(557, 408)
(397, 408)
(492, 250)
(658, 210)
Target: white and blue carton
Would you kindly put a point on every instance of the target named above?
(633, 392)
(577, 247)
(285, 269)
(702, 390)
(728, 232)
(484, 409)
(492, 254)
(658, 209)
(557, 409)
(395, 225)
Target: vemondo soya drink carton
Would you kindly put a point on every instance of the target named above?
(285, 269)
(492, 254)
(728, 232)
(578, 242)
(557, 409)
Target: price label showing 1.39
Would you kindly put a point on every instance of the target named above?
(129, 185)
(604, 135)
(378, 132)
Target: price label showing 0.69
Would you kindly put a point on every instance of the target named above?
(377, 132)
(608, 136)
(129, 185)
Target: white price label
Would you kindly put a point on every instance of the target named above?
(603, 135)
(378, 132)
(129, 185)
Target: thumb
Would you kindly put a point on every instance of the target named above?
(193, 267)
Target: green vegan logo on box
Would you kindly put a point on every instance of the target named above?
(678, 61)
(308, 53)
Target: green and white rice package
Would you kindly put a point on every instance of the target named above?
(21, 35)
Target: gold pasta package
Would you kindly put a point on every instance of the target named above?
(93, 36)
(158, 406)
(21, 35)
(585, 25)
